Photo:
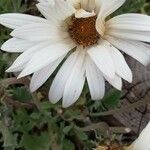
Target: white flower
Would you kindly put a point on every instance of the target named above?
(77, 30)
(143, 142)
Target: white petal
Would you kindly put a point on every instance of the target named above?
(142, 143)
(95, 80)
(16, 45)
(49, 13)
(109, 6)
(137, 22)
(75, 3)
(46, 56)
(121, 67)
(59, 82)
(84, 4)
(132, 48)
(84, 14)
(100, 26)
(17, 69)
(129, 34)
(102, 58)
(39, 32)
(14, 20)
(61, 10)
(75, 82)
(66, 10)
(42, 1)
(40, 77)
(50, 2)
(23, 59)
(116, 82)
(146, 47)
(91, 5)
(88, 5)
(98, 4)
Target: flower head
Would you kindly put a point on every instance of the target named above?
(78, 31)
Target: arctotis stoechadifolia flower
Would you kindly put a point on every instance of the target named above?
(78, 31)
(143, 141)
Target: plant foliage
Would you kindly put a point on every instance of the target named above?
(30, 122)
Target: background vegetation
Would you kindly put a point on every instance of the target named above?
(30, 122)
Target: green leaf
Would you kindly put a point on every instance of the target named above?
(21, 94)
(35, 115)
(36, 142)
(72, 114)
(22, 121)
(8, 137)
(81, 135)
(130, 6)
(68, 145)
(67, 129)
(47, 105)
(111, 100)
(11, 6)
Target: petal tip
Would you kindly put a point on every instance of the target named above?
(67, 102)
(52, 100)
(10, 69)
(130, 78)
(32, 89)
(21, 75)
(65, 105)
(3, 48)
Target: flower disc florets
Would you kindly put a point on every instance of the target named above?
(83, 31)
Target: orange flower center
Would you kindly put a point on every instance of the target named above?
(83, 31)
